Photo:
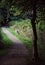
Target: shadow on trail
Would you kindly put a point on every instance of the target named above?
(16, 54)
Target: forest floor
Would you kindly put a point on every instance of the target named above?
(17, 54)
(11, 36)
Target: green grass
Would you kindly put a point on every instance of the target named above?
(4, 44)
(20, 22)
(6, 40)
(27, 41)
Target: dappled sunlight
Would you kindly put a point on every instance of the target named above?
(22, 32)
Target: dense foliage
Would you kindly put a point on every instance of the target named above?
(16, 9)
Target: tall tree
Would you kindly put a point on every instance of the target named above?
(33, 22)
(27, 5)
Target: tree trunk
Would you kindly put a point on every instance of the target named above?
(35, 51)
(0, 33)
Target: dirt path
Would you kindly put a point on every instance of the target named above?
(10, 36)
(17, 52)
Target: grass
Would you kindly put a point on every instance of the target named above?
(6, 40)
(4, 44)
(28, 41)
(25, 40)
(19, 24)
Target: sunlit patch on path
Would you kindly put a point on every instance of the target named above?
(17, 52)
(10, 36)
